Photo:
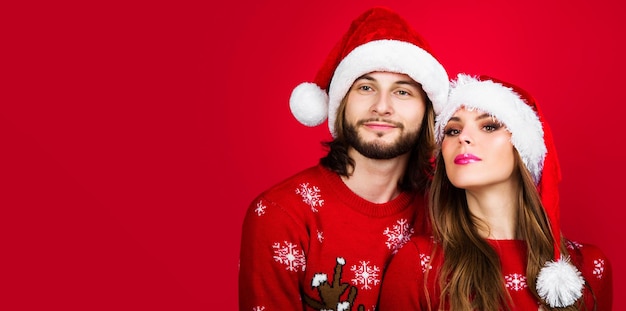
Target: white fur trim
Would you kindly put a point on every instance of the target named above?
(559, 283)
(505, 105)
(309, 104)
(390, 56)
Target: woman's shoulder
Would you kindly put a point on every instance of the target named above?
(595, 268)
(585, 250)
(589, 258)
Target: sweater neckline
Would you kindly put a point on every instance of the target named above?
(507, 244)
(347, 196)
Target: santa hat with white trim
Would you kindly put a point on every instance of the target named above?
(378, 40)
(559, 282)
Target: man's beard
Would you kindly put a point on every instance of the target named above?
(378, 150)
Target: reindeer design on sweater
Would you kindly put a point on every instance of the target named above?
(330, 294)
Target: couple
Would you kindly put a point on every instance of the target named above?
(434, 195)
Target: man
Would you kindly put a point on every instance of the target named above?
(320, 240)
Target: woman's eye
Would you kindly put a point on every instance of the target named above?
(402, 92)
(492, 127)
(451, 132)
(365, 88)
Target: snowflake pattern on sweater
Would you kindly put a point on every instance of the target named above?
(403, 285)
(309, 243)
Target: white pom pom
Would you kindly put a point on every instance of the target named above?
(559, 283)
(309, 104)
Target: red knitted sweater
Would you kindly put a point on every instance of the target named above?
(309, 243)
(403, 287)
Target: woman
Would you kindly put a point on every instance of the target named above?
(496, 242)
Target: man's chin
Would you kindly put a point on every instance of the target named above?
(378, 151)
(386, 140)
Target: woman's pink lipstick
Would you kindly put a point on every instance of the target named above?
(466, 158)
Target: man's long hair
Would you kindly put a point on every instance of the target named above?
(471, 276)
(419, 169)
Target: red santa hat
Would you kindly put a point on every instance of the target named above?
(559, 282)
(378, 40)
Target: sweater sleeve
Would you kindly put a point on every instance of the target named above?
(597, 272)
(272, 258)
(401, 282)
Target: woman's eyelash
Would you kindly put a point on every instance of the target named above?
(492, 126)
(451, 131)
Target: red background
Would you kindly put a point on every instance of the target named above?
(133, 134)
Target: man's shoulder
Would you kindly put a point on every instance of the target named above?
(302, 189)
(423, 242)
(312, 177)
(306, 175)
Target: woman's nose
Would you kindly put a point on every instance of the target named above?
(465, 139)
